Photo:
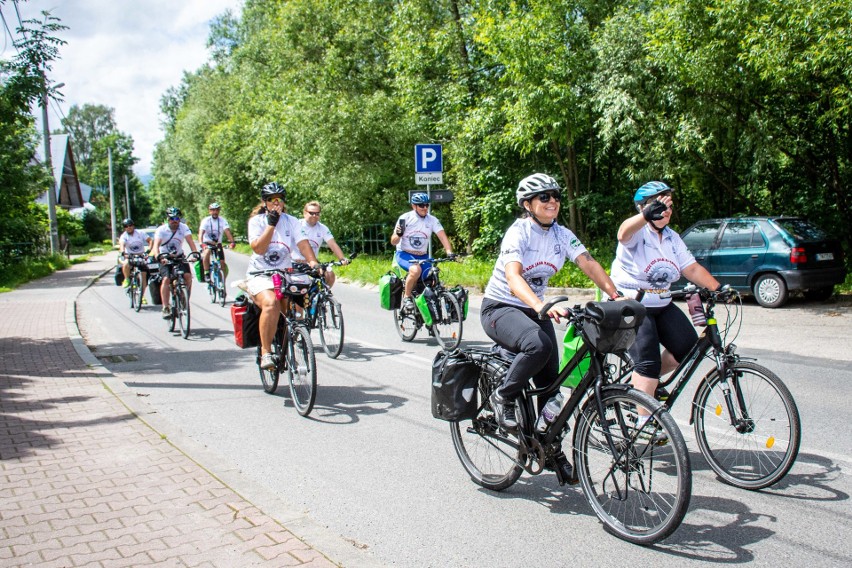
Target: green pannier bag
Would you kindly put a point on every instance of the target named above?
(198, 266)
(390, 291)
(570, 345)
(422, 303)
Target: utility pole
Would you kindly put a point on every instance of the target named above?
(51, 193)
(111, 198)
(127, 197)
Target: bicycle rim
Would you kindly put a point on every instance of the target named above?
(302, 370)
(642, 491)
(489, 455)
(137, 293)
(220, 286)
(173, 317)
(448, 323)
(759, 447)
(406, 324)
(269, 377)
(330, 319)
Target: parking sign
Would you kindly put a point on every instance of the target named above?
(428, 159)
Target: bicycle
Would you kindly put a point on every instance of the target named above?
(638, 484)
(134, 288)
(323, 311)
(745, 419)
(292, 351)
(178, 291)
(216, 284)
(445, 312)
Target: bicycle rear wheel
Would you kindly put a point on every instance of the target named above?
(448, 323)
(330, 323)
(302, 369)
(406, 324)
(641, 490)
(759, 445)
(488, 454)
(182, 309)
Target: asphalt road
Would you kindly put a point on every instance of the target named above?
(373, 466)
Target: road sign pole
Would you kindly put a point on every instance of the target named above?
(428, 211)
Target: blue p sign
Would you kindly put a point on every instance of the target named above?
(428, 158)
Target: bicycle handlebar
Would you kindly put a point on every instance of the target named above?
(194, 256)
(723, 294)
(452, 258)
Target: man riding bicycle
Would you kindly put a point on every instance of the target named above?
(169, 239)
(132, 242)
(210, 233)
(316, 233)
(411, 237)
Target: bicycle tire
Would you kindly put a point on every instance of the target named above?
(173, 306)
(642, 492)
(448, 323)
(220, 286)
(269, 377)
(753, 454)
(182, 308)
(329, 318)
(406, 324)
(136, 292)
(301, 369)
(489, 455)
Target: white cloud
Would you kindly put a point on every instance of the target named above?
(125, 54)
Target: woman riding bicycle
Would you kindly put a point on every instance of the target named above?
(650, 257)
(169, 239)
(317, 233)
(534, 248)
(273, 235)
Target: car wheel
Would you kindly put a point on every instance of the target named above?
(819, 294)
(770, 291)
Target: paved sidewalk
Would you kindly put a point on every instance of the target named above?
(85, 482)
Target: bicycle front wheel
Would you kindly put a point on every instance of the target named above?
(136, 291)
(302, 369)
(173, 318)
(330, 320)
(406, 324)
(751, 437)
(220, 286)
(269, 377)
(488, 454)
(182, 308)
(448, 321)
(640, 486)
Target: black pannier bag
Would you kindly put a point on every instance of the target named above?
(455, 380)
(251, 326)
(612, 325)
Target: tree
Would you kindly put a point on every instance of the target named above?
(87, 125)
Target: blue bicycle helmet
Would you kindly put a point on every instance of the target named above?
(419, 199)
(650, 190)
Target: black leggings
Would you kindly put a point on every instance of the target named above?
(519, 330)
(668, 326)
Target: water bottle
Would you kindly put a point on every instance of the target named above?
(549, 412)
(276, 283)
(696, 310)
(314, 304)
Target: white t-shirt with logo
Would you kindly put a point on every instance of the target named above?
(418, 232)
(644, 262)
(315, 235)
(135, 243)
(542, 253)
(172, 243)
(279, 254)
(213, 229)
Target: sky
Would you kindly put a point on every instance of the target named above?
(123, 54)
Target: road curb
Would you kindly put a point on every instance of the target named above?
(333, 546)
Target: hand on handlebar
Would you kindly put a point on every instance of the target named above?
(727, 294)
(555, 313)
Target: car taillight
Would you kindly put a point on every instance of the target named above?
(798, 255)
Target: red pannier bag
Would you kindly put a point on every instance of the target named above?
(245, 316)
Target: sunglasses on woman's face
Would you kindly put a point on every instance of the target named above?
(275, 200)
(545, 197)
(313, 213)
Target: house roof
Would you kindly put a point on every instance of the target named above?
(67, 186)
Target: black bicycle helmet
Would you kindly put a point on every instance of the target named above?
(273, 188)
(173, 212)
(128, 221)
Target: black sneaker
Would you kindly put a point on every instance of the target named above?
(504, 412)
(563, 468)
(661, 394)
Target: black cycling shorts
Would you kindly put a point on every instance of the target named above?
(666, 325)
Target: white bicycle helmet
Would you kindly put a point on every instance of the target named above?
(533, 185)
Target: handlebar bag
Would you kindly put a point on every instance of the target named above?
(455, 379)
(297, 284)
(611, 326)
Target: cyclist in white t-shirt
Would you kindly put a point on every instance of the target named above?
(169, 239)
(411, 237)
(317, 233)
(650, 257)
(210, 232)
(273, 236)
(534, 248)
(133, 242)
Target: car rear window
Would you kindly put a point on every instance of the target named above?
(802, 230)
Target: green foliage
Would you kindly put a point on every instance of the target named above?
(29, 269)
